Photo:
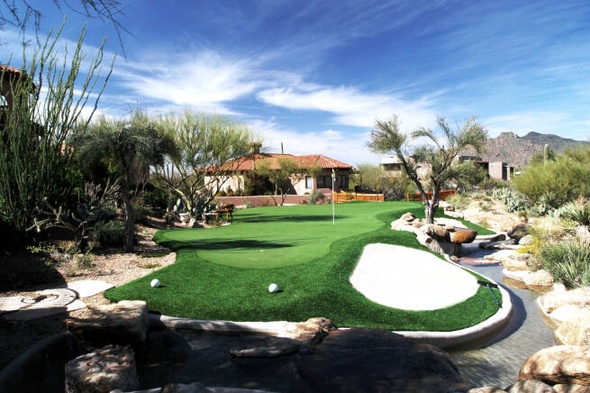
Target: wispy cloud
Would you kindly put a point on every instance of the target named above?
(350, 106)
(330, 142)
(205, 80)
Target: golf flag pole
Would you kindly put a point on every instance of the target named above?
(333, 208)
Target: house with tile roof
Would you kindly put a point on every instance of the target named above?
(315, 172)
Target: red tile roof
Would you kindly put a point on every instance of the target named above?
(305, 161)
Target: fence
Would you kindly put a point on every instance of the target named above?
(442, 195)
(343, 196)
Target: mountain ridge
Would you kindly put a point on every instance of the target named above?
(518, 151)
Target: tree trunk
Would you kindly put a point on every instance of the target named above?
(129, 216)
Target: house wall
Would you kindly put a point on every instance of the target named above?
(299, 182)
(499, 170)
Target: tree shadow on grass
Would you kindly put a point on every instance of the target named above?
(287, 218)
(223, 244)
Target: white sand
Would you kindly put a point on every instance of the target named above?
(410, 279)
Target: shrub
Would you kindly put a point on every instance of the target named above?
(513, 200)
(576, 213)
(111, 233)
(317, 197)
(568, 261)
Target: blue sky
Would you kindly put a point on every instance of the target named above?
(314, 75)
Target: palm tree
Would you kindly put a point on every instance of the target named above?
(132, 145)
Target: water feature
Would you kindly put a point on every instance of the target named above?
(498, 361)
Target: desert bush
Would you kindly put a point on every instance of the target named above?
(317, 197)
(568, 261)
(111, 233)
(575, 213)
(460, 201)
(557, 181)
(513, 200)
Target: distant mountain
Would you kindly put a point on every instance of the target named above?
(518, 151)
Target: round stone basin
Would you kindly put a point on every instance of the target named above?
(462, 235)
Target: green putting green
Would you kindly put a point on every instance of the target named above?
(224, 272)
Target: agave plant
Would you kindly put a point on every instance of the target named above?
(576, 213)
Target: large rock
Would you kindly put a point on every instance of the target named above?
(530, 386)
(462, 235)
(119, 323)
(367, 360)
(195, 387)
(539, 278)
(516, 262)
(295, 337)
(562, 364)
(575, 330)
(311, 330)
(436, 231)
(518, 231)
(560, 388)
(579, 297)
(104, 370)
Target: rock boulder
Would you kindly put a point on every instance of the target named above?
(120, 323)
(562, 364)
(104, 370)
(575, 330)
(370, 360)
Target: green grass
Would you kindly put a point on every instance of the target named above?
(224, 272)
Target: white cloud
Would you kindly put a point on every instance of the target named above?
(332, 143)
(350, 106)
(204, 81)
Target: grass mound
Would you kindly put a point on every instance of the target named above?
(224, 273)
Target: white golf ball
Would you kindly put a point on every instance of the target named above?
(155, 283)
(273, 288)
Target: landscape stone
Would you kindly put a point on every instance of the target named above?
(408, 217)
(104, 370)
(579, 297)
(371, 360)
(462, 235)
(195, 387)
(518, 231)
(527, 240)
(312, 330)
(530, 386)
(486, 389)
(516, 262)
(575, 330)
(121, 323)
(540, 278)
(561, 364)
(561, 388)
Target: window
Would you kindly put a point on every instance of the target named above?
(308, 182)
(325, 181)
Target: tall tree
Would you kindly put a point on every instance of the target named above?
(282, 175)
(45, 100)
(209, 149)
(436, 159)
(131, 145)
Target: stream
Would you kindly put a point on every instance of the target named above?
(498, 361)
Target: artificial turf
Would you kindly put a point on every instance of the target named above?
(223, 273)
